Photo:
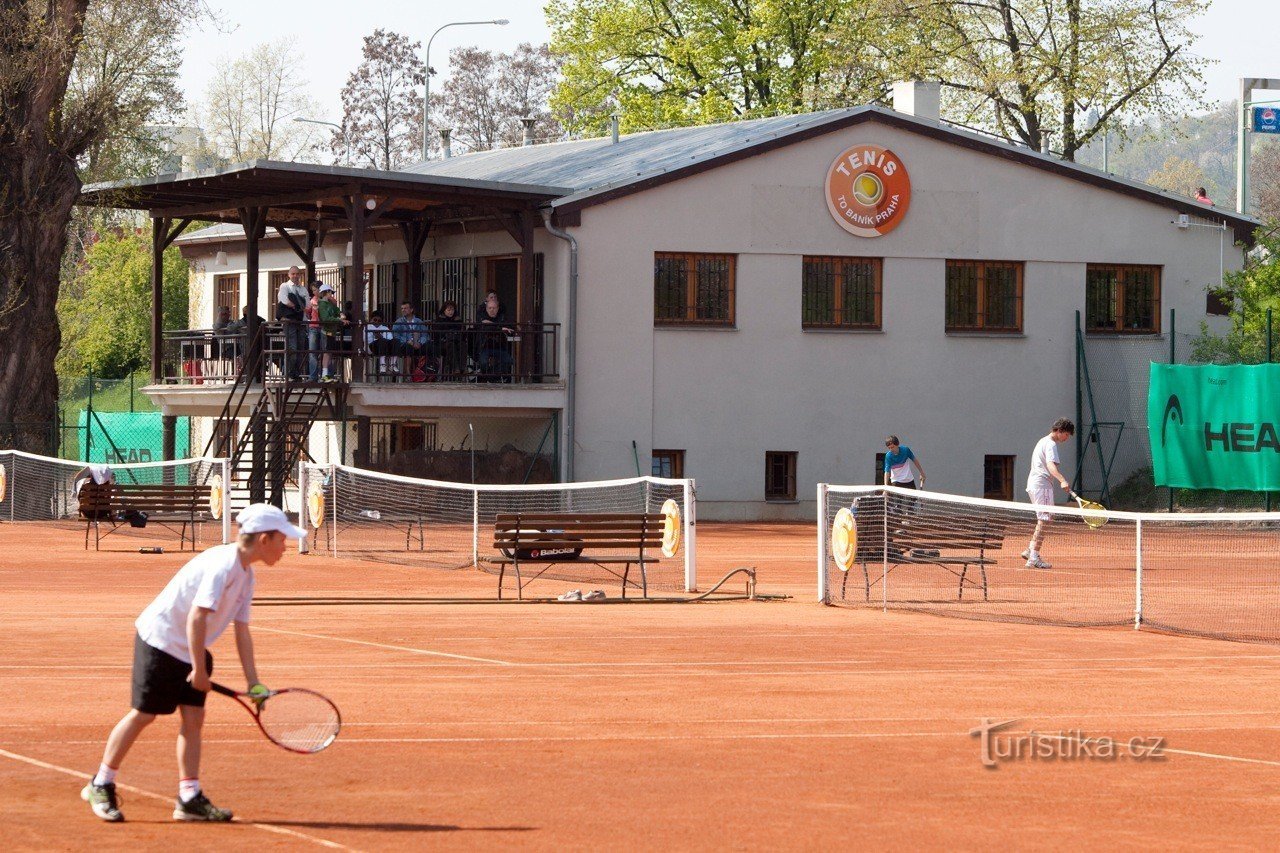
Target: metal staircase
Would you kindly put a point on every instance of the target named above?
(265, 455)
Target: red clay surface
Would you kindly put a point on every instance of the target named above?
(750, 725)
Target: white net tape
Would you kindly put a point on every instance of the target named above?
(1208, 574)
(431, 523)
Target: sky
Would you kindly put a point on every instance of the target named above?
(329, 36)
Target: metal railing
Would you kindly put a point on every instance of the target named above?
(518, 353)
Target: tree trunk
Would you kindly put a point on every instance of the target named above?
(38, 188)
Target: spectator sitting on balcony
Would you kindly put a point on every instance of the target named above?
(377, 338)
(224, 332)
(240, 328)
(495, 348)
(448, 337)
(411, 340)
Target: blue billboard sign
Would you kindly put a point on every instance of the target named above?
(1266, 120)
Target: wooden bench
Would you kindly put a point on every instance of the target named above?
(165, 504)
(919, 538)
(550, 539)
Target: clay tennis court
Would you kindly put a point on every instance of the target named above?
(733, 724)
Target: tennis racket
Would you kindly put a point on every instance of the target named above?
(295, 719)
(1095, 514)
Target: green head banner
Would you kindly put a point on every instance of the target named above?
(1215, 427)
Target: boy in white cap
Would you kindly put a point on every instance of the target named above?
(209, 593)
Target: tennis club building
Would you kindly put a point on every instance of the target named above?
(754, 305)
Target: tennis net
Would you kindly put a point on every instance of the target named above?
(436, 524)
(44, 489)
(1204, 574)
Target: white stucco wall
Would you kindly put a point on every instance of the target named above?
(727, 396)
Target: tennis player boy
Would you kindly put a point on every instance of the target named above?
(209, 593)
(1040, 482)
(898, 462)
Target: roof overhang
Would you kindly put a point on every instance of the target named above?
(301, 195)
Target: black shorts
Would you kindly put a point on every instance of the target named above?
(160, 680)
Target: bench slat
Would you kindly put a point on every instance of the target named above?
(548, 544)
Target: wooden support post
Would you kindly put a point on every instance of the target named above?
(415, 234)
(526, 308)
(355, 282)
(161, 236)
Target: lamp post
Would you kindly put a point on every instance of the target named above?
(426, 90)
(345, 141)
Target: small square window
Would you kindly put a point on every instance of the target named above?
(1218, 302)
(984, 296)
(878, 479)
(693, 289)
(1122, 298)
(997, 478)
(780, 475)
(668, 464)
(840, 293)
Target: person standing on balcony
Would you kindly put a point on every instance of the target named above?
(315, 338)
(291, 302)
(330, 321)
(412, 339)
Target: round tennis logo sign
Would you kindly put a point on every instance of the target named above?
(868, 190)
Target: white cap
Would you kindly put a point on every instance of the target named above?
(326, 288)
(264, 518)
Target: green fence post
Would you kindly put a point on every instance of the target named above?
(1173, 359)
(88, 421)
(1268, 493)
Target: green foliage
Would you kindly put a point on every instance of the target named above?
(689, 62)
(106, 328)
(1253, 290)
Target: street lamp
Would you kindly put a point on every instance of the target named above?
(426, 93)
(345, 141)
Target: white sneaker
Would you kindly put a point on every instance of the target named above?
(1026, 554)
(594, 595)
(571, 595)
(1037, 563)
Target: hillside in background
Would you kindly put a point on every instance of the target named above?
(1207, 140)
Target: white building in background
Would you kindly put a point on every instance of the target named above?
(757, 304)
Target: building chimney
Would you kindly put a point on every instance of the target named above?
(528, 130)
(918, 98)
(445, 150)
(613, 126)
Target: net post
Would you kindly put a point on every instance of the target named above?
(302, 504)
(226, 500)
(1137, 595)
(690, 544)
(333, 513)
(475, 527)
(884, 552)
(822, 543)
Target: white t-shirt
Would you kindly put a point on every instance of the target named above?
(215, 580)
(1046, 451)
(282, 295)
(376, 331)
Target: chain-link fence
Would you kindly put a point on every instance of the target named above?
(1113, 449)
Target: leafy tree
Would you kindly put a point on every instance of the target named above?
(251, 104)
(489, 92)
(62, 100)
(1264, 171)
(112, 333)
(382, 104)
(684, 62)
(1178, 175)
(1029, 68)
(1252, 290)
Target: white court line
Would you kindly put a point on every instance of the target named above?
(383, 646)
(279, 830)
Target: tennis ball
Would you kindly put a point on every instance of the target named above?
(867, 188)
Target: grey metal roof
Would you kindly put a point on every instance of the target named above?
(597, 169)
(596, 164)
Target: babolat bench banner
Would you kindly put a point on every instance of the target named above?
(1215, 427)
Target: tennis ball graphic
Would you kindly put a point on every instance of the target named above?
(867, 188)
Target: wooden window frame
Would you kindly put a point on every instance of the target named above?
(980, 312)
(233, 279)
(690, 318)
(1122, 286)
(838, 291)
(788, 492)
(1005, 493)
(676, 457)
